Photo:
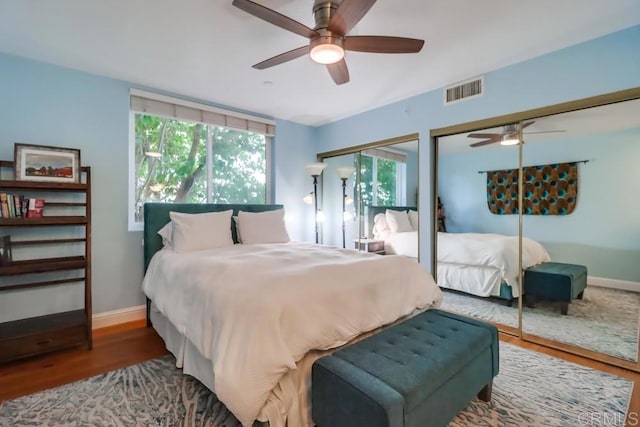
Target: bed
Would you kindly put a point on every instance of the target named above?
(248, 320)
(403, 242)
(485, 264)
(481, 264)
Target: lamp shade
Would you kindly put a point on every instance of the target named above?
(315, 168)
(345, 172)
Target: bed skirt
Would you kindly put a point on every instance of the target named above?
(289, 403)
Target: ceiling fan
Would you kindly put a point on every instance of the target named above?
(509, 135)
(328, 39)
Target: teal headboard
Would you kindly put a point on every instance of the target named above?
(156, 216)
(371, 211)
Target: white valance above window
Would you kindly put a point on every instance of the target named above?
(160, 105)
(386, 153)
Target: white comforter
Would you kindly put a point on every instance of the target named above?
(255, 310)
(491, 250)
(404, 243)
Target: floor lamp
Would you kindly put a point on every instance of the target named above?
(344, 173)
(315, 170)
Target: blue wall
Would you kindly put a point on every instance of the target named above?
(603, 232)
(599, 66)
(49, 105)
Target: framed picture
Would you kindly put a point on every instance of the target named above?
(5, 251)
(44, 163)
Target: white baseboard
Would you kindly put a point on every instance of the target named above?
(116, 317)
(625, 285)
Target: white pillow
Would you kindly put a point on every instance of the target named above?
(196, 232)
(166, 233)
(262, 227)
(379, 225)
(398, 221)
(414, 219)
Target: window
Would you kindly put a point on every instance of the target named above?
(383, 178)
(177, 159)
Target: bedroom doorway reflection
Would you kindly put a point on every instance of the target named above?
(383, 218)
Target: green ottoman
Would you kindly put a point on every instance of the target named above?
(555, 281)
(418, 373)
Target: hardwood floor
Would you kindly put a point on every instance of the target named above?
(113, 348)
(132, 343)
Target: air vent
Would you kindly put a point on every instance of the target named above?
(463, 91)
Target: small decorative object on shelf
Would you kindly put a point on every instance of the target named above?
(46, 164)
(5, 251)
(36, 206)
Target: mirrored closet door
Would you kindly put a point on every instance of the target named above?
(566, 192)
(477, 245)
(360, 184)
(581, 186)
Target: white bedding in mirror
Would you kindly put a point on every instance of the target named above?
(478, 263)
(403, 243)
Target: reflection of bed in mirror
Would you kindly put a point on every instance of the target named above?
(400, 237)
(485, 264)
(481, 264)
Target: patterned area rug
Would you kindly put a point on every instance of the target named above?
(532, 389)
(605, 320)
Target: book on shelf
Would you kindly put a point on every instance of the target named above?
(17, 204)
(12, 206)
(4, 205)
(36, 206)
(24, 202)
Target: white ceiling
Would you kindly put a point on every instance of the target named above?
(205, 48)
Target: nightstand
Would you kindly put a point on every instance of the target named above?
(370, 245)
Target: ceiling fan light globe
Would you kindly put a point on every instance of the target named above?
(509, 140)
(327, 53)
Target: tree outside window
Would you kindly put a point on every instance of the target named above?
(379, 181)
(171, 163)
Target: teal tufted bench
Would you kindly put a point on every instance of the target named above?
(555, 281)
(418, 373)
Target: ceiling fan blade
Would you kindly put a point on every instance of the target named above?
(383, 44)
(481, 143)
(492, 136)
(339, 72)
(545, 131)
(524, 125)
(275, 18)
(283, 57)
(348, 14)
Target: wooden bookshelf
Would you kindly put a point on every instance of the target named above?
(40, 334)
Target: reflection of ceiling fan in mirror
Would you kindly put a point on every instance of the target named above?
(328, 39)
(509, 135)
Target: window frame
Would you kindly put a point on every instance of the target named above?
(134, 225)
